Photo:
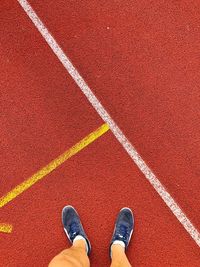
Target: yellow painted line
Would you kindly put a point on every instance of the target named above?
(19, 189)
(5, 228)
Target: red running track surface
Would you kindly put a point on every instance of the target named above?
(129, 66)
(141, 61)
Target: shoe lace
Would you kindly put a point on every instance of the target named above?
(74, 228)
(123, 232)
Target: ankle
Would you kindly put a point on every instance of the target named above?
(80, 243)
(117, 249)
(118, 256)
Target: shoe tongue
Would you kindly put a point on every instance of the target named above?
(123, 229)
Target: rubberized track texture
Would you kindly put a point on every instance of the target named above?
(140, 59)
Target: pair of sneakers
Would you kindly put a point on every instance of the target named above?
(122, 232)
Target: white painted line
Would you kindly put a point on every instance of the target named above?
(150, 176)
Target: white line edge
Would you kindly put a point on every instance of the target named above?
(148, 173)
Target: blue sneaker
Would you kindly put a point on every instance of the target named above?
(72, 225)
(123, 227)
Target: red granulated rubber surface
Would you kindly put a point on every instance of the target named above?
(140, 58)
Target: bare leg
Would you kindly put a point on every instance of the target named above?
(119, 258)
(76, 256)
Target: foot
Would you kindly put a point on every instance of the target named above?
(73, 227)
(123, 228)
